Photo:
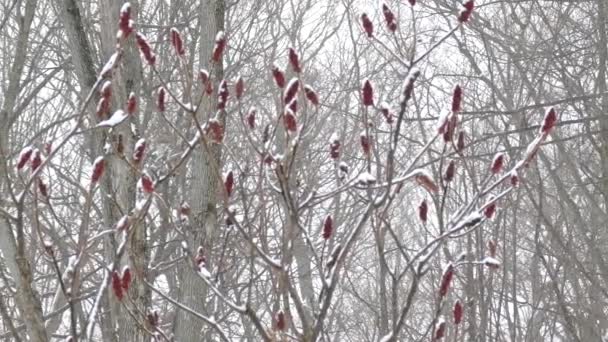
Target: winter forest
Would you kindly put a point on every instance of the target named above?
(285, 170)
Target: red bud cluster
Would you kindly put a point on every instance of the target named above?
(294, 60)
(250, 118)
(497, 163)
(229, 183)
(145, 48)
(147, 185)
(279, 321)
(446, 280)
(328, 227)
(220, 45)
(289, 120)
(389, 17)
(367, 93)
(98, 168)
(450, 171)
(215, 130)
(423, 210)
(131, 104)
(311, 95)
(279, 76)
(239, 88)
(458, 312)
(160, 99)
(467, 10)
(367, 25)
(24, 157)
(177, 42)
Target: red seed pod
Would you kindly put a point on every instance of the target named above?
(492, 248)
(549, 121)
(138, 150)
(220, 45)
(177, 42)
(423, 210)
(293, 105)
(24, 157)
(160, 99)
(124, 20)
(239, 88)
(131, 104)
(446, 280)
(328, 227)
(490, 210)
(450, 128)
(497, 163)
(425, 180)
(36, 160)
(279, 76)
(412, 2)
(367, 93)
(456, 99)
(311, 95)
(367, 25)
(146, 183)
(289, 120)
(467, 10)
(42, 188)
(229, 183)
(215, 130)
(365, 143)
(514, 179)
(440, 330)
(294, 60)
(106, 90)
(145, 48)
(460, 144)
(291, 90)
(126, 278)
(103, 107)
(389, 17)
(450, 171)
(279, 321)
(458, 311)
(250, 118)
(117, 285)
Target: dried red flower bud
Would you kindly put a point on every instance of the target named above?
(423, 210)
(386, 112)
(24, 157)
(124, 19)
(549, 121)
(497, 163)
(103, 107)
(239, 88)
(220, 45)
(389, 17)
(514, 179)
(328, 227)
(36, 160)
(216, 130)
(146, 183)
(138, 150)
(131, 104)
(106, 90)
(365, 143)
(367, 93)
(279, 321)
(42, 188)
(126, 278)
(177, 42)
(294, 60)
(117, 286)
(458, 311)
(467, 10)
(291, 90)
(367, 25)
(279, 76)
(289, 120)
(450, 171)
(492, 247)
(460, 144)
(145, 48)
(160, 99)
(456, 99)
(222, 94)
(311, 95)
(440, 330)
(250, 118)
(490, 210)
(450, 128)
(425, 180)
(446, 280)
(229, 183)
(293, 105)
